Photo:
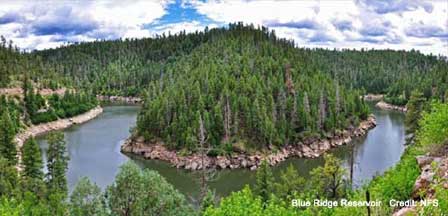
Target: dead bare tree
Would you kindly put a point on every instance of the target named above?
(207, 173)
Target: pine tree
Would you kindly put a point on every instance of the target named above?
(8, 148)
(8, 178)
(290, 183)
(32, 160)
(57, 163)
(33, 176)
(265, 180)
(415, 108)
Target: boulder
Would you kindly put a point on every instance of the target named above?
(244, 163)
(421, 186)
(194, 165)
(424, 160)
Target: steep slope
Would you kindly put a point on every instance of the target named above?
(244, 89)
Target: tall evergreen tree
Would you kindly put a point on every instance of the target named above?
(8, 178)
(32, 160)
(8, 148)
(32, 174)
(264, 185)
(415, 108)
(57, 163)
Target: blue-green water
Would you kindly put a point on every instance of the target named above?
(94, 150)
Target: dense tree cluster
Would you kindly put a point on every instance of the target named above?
(41, 110)
(126, 66)
(123, 66)
(9, 126)
(393, 73)
(15, 65)
(250, 90)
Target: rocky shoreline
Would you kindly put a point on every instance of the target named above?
(433, 170)
(120, 99)
(311, 148)
(36, 130)
(373, 97)
(386, 106)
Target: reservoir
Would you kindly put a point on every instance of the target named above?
(94, 151)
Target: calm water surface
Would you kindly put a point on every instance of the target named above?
(94, 150)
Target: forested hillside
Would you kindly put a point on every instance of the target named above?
(126, 66)
(245, 88)
(16, 65)
(393, 73)
(242, 83)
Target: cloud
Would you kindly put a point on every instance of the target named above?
(343, 25)
(63, 21)
(322, 38)
(391, 6)
(29, 24)
(302, 24)
(10, 17)
(376, 28)
(394, 24)
(425, 31)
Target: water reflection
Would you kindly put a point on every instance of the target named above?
(94, 150)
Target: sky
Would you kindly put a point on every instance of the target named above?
(381, 24)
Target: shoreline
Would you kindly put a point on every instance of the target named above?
(308, 149)
(373, 97)
(119, 99)
(36, 130)
(386, 106)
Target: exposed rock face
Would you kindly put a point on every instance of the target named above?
(120, 99)
(19, 91)
(310, 148)
(386, 106)
(433, 170)
(40, 129)
(429, 166)
(373, 97)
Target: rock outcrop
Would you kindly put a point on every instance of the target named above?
(386, 106)
(429, 168)
(119, 99)
(434, 170)
(373, 97)
(310, 148)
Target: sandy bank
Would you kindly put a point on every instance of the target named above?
(310, 149)
(386, 106)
